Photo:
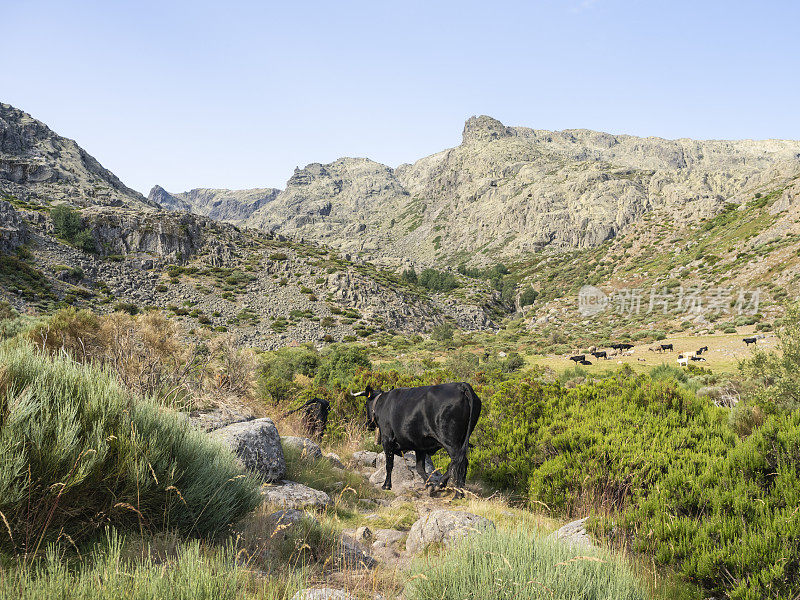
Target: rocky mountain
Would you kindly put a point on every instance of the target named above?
(509, 190)
(232, 206)
(39, 165)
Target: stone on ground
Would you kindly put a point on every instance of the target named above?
(306, 447)
(258, 446)
(290, 494)
(404, 473)
(364, 458)
(335, 460)
(322, 594)
(444, 527)
(574, 534)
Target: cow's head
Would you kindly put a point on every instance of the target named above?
(371, 398)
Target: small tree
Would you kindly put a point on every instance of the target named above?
(443, 332)
(66, 221)
(409, 276)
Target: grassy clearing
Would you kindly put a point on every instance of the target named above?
(110, 571)
(519, 566)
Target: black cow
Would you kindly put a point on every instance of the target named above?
(425, 419)
(750, 340)
(701, 350)
(600, 354)
(622, 346)
(315, 417)
(696, 358)
(585, 362)
(578, 358)
(667, 347)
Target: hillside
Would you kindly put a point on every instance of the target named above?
(71, 234)
(506, 191)
(38, 164)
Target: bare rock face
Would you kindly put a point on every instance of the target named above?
(308, 449)
(258, 446)
(13, 232)
(231, 206)
(444, 527)
(35, 162)
(290, 494)
(506, 190)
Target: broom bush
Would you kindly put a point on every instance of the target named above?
(78, 452)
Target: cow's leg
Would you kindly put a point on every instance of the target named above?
(421, 469)
(388, 450)
(458, 470)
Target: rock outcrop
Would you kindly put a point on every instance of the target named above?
(306, 448)
(258, 446)
(231, 206)
(444, 527)
(506, 190)
(38, 164)
(290, 494)
(13, 232)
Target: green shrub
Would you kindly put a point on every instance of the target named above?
(437, 281)
(520, 566)
(674, 478)
(528, 296)
(443, 332)
(774, 377)
(409, 276)
(339, 363)
(66, 221)
(77, 451)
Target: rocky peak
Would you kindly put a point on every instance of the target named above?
(35, 162)
(485, 129)
(164, 199)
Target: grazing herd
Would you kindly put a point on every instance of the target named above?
(627, 349)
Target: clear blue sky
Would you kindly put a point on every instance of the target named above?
(236, 94)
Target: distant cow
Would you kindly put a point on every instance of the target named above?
(683, 361)
(599, 354)
(696, 358)
(315, 417)
(622, 346)
(750, 340)
(425, 419)
(578, 358)
(665, 347)
(701, 350)
(585, 362)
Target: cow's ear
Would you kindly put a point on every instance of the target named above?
(368, 391)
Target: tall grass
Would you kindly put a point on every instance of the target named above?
(519, 566)
(194, 571)
(79, 452)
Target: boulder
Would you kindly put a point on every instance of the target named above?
(574, 534)
(444, 527)
(364, 458)
(322, 594)
(387, 537)
(304, 446)
(287, 519)
(363, 535)
(258, 446)
(349, 555)
(404, 473)
(290, 494)
(335, 460)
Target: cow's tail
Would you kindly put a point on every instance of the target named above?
(309, 403)
(460, 462)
